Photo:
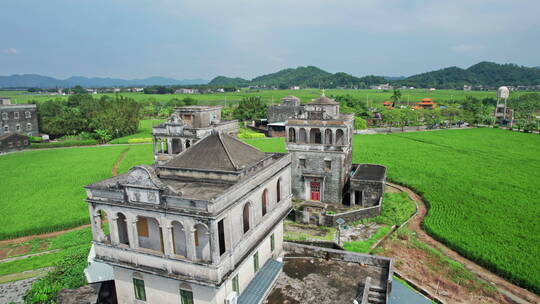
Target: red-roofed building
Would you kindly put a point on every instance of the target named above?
(425, 103)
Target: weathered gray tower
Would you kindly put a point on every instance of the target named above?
(319, 141)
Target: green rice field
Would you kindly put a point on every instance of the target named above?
(482, 187)
(273, 96)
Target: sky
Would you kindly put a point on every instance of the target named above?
(187, 39)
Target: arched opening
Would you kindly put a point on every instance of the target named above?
(315, 136)
(339, 137)
(292, 135)
(102, 222)
(202, 245)
(188, 143)
(278, 190)
(179, 239)
(176, 146)
(264, 202)
(245, 217)
(328, 136)
(302, 136)
(121, 223)
(149, 233)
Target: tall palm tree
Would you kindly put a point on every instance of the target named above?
(395, 97)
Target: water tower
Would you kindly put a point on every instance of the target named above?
(502, 95)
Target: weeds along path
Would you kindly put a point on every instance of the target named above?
(121, 157)
(505, 287)
(41, 236)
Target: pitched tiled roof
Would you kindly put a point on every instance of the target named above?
(323, 100)
(217, 152)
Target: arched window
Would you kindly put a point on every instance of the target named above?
(245, 217)
(264, 202)
(149, 233)
(188, 144)
(102, 223)
(179, 239)
(202, 245)
(302, 136)
(292, 135)
(121, 223)
(278, 190)
(339, 137)
(315, 136)
(328, 136)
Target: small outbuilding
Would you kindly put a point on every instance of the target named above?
(367, 185)
(13, 142)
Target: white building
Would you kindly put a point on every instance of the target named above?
(204, 227)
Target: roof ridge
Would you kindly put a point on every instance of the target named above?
(227, 151)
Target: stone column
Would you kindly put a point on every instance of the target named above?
(133, 235)
(113, 229)
(161, 143)
(167, 239)
(190, 244)
(93, 222)
(352, 197)
(155, 145)
(214, 243)
(169, 146)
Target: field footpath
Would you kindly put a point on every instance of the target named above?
(516, 293)
(40, 236)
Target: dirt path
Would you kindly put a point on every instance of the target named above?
(21, 257)
(41, 236)
(505, 287)
(121, 157)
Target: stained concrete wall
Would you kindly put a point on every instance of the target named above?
(11, 122)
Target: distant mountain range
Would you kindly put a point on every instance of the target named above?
(484, 73)
(308, 76)
(39, 81)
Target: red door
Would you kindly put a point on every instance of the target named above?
(315, 191)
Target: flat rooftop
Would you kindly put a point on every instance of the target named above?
(369, 172)
(329, 276)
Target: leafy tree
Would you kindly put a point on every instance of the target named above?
(103, 135)
(250, 108)
(390, 117)
(396, 96)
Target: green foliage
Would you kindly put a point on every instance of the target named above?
(397, 208)
(272, 144)
(103, 135)
(144, 131)
(68, 273)
(118, 115)
(140, 140)
(360, 123)
(35, 139)
(364, 246)
(245, 133)
(250, 108)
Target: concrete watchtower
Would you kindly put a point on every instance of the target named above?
(319, 141)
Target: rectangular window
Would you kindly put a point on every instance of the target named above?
(18, 127)
(235, 285)
(272, 243)
(16, 115)
(6, 128)
(28, 126)
(5, 116)
(186, 296)
(256, 262)
(142, 227)
(328, 165)
(140, 293)
(27, 114)
(221, 236)
(302, 163)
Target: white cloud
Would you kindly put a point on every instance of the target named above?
(11, 51)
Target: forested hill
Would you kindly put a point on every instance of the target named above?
(308, 76)
(483, 73)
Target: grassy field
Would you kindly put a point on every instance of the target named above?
(273, 96)
(44, 191)
(482, 187)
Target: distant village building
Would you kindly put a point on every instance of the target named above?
(467, 88)
(385, 86)
(186, 91)
(204, 227)
(185, 127)
(388, 104)
(425, 103)
(18, 118)
(503, 114)
(295, 88)
(10, 142)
